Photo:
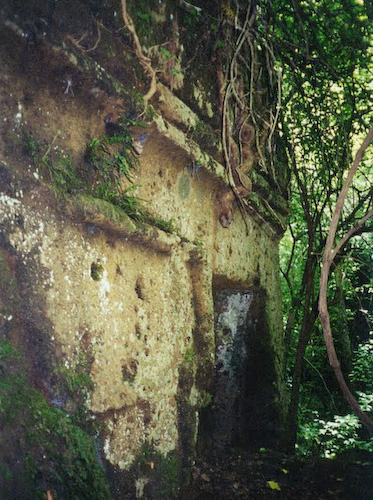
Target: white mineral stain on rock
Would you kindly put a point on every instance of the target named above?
(232, 319)
(104, 290)
(140, 484)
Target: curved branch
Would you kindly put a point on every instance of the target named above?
(329, 255)
(341, 243)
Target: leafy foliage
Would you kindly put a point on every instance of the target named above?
(361, 374)
(329, 438)
(111, 164)
(323, 48)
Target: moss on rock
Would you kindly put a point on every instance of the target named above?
(41, 448)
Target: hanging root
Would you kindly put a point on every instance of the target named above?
(244, 128)
(144, 61)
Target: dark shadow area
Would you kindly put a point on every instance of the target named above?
(242, 413)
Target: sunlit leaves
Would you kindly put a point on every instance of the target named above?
(362, 371)
(331, 437)
(323, 48)
(273, 485)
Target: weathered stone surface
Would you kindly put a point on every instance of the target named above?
(129, 304)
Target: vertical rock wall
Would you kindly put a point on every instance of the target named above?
(125, 331)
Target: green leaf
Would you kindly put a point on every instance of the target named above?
(273, 485)
(166, 52)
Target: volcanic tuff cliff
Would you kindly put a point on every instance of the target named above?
(134, 326)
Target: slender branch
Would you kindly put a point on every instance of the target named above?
(292, 250)
(362, 200)
(329, 255)
(94, 47)
(288, 282)
(343, 193)
(189, 6)
(351, 232)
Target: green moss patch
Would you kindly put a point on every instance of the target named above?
(41, 448)
(102, 212)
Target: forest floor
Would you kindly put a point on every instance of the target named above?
(267, 475)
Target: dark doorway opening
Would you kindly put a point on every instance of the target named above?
(243, 412)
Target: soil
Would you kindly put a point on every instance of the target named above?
(269, 474)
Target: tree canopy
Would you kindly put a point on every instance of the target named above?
(324, 51)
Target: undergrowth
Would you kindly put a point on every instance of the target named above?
(106, 173)
(330, 437)
(109, 163)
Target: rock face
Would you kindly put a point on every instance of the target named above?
(134, 326)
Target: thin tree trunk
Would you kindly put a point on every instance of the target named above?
(342, 334)
(329, 255)
(309, 317)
